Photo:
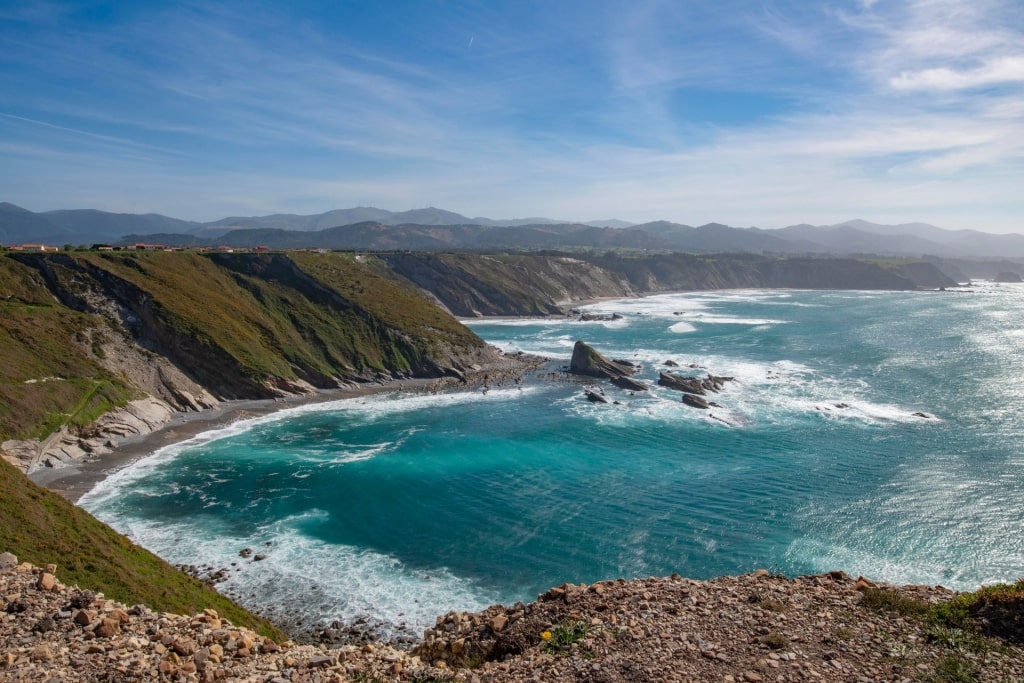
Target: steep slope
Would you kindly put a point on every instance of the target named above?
(506, 284)
(40, 527)
(252, 326)
(86, 333)
(51, 372)
(537, 284)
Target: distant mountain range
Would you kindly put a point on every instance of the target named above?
(433, 229)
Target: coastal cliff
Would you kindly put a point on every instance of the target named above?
(536, 284)
(135, 337)
(138, 336)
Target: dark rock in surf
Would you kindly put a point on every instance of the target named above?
(587, 361)
(594, 397)
(689, 385)
(693, 385)
(629, 384)
(695, 401)
(595, 317)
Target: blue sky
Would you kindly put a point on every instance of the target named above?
(745, 112)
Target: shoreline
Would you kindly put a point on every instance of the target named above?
(74, 481)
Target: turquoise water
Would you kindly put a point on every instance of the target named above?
(878, 433)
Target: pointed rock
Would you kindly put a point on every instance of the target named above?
(587, 361)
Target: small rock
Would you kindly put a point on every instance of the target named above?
(46, 581)
(107, 628)
(84, 617)
(321, 662)
(41, 653)
(183, 646)
(8, 561)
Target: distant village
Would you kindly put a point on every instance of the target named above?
(141, 246)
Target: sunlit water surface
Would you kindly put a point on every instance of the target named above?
(879, 433)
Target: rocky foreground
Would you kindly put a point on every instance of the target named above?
(750, 628)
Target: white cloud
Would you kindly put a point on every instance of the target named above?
(996, 70)
(894, 128)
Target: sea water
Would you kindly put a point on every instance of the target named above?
(878, 433)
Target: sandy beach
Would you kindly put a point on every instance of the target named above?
(74, 481)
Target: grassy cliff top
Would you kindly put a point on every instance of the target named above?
(40, 527)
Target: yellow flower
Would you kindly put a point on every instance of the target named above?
(546, 635)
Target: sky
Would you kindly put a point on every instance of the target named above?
(745, 112)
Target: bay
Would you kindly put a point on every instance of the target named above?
(878, 433)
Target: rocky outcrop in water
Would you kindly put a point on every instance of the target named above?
(695, 401)
(693, 385)
(629, 384)
(589, 362)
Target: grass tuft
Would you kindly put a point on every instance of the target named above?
(564, 635)
(884, 600)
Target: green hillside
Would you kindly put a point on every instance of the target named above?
(41, 527)
(49, 375)
(241, 325)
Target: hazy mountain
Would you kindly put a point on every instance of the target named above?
(846, 239)
(105, 226)
(610, 223)
(367, 227)
(291, 221)
(907, 239)
(18, 225)
(989, 246)
(80, 226)
(921, 230)
(715, 237)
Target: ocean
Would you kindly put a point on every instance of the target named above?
(877, 433)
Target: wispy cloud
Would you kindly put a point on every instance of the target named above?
(750, 112)
(992, 71)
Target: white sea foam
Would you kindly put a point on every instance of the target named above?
(682, 328)
(302, 576)
(760, 393)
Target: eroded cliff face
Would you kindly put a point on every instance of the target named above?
(472, 285)
(137, 337)
(542, 284)
(85, 334)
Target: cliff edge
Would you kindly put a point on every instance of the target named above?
(750, 628)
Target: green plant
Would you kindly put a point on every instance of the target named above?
(992, 610)
(884, 600)
(899, 650)
(957, 638)
(775, 640)
(954, 668)
(564, 634)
